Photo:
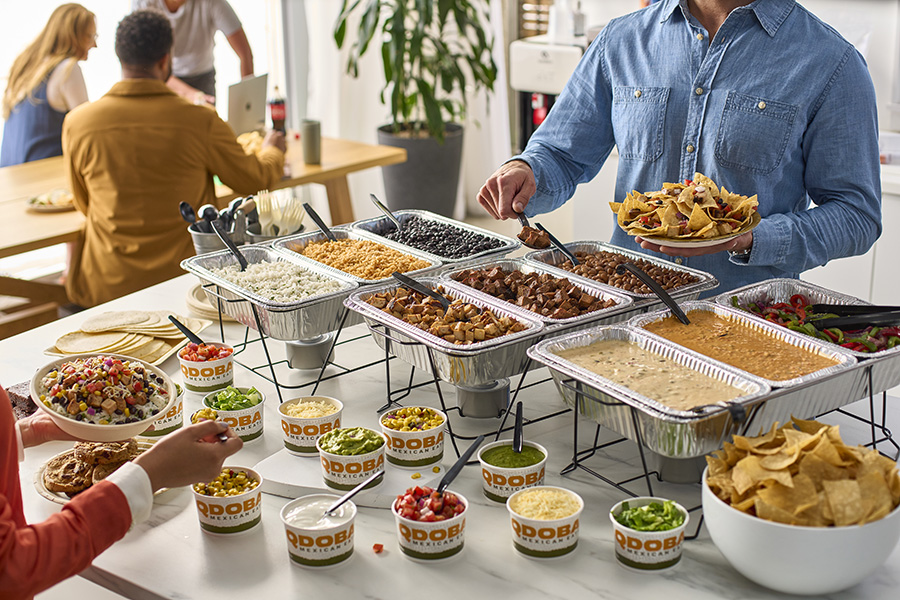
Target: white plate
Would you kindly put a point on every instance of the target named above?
(689, 243)
(55, 201)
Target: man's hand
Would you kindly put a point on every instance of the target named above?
(738, 244)
(189, 93)
(190, 455)
(40, 428)
(275, 139)
(507, 191)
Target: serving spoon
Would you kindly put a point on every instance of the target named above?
(318, 221)
(657, 289)
(458, 465)
(387, 212)
(523, 221)
(357, 489)
(226, 239)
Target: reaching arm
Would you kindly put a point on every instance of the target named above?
(241, 46)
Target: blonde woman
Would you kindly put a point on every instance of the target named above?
(45, 83)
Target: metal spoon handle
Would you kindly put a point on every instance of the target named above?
(385, 210)
(657, 289)
(414, 285)
(183, 329)
(558, 245)
(359, 487)
(458, 465)
(518, 437)
(318, 221)
(523, 220)
(220, 231)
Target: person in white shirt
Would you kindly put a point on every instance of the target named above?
(194, 25)
(45, 83)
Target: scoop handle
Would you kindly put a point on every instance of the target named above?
(458, 465)
(558, 245)
(657, 289)
(223, 235)
(318, 221)
(387, 212)
(518, 437)
(359, 487)
(190, 335)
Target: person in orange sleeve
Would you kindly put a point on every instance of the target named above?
(34, 557)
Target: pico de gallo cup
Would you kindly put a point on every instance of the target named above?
(498, 483)
(536, 537)
(230, 514)
(206, 367)
(344, 471)
(172, 420)
(247, 423)
(647, 550)
(301, 433)
(315, 542)
(430, 540)
(414, 447)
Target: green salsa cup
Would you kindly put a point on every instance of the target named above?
(503, 473)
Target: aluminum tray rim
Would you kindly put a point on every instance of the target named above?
(845, 360)
(623, 302)
(707, 281)
(356, 302)
(202, 273)
(509, 244)
(544, 352)
(832, 296)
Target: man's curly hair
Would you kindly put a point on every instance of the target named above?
(143, 38)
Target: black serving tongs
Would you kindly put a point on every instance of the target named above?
(859, 320)
(845, 310)
(409, 282)
(318, 221)
(657, 289)
(558, 245)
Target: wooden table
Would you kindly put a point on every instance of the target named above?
(25, 231)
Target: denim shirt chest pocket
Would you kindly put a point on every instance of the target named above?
(754, 132)
(639, 119)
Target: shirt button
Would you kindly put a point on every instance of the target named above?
(637, 93)
(679, 261)
(700, 36)
(698, 91)
(761, 105)
(690, 148)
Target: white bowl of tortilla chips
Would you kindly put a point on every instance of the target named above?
(695, 212)
(831, 528)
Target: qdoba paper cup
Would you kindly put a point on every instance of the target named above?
(314, 540)
(343, 472)
(209, 375)
(544, 537)
(647, 550)
(247, 423)
(499, 483)
(230, 514)
(431, 540)
(416, 448)
(301, 433)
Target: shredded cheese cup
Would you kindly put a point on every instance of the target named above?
(310, 409)
(544, 504)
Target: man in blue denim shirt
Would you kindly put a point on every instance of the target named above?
(761, 96)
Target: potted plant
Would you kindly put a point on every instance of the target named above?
(434, 53)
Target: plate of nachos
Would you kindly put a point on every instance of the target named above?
(689, 214)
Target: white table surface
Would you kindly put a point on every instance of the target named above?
(169, 557)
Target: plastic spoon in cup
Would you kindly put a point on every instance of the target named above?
(517, 430)
(187, 212)
(226, 239)
(458, 465)
(657, 289)
(190, 335)
(318, 221)
(414, 285)
(387, 212)
(359, 487)
(558, 245)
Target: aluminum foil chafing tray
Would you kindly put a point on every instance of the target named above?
(667, 431)
(885, 365)
(621, 311)
(554, 258)
(844, 360)
(286, 244)
(290, 321)
(380, 225)
(469, 365)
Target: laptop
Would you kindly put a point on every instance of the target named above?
(247, 104)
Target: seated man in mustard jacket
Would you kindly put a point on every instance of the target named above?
(137, 152)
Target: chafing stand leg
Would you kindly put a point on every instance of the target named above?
(330, 350)
(262, 338)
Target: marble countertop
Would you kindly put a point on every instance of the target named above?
(169, 557)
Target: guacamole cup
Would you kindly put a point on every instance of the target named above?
(349, 455)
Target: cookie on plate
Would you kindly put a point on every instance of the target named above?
(101, 472)
(67, 474)
(104, 453)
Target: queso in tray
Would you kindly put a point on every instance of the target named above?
(741, 346)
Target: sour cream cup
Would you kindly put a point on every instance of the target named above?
(417, 448)
(544, 538)
(343, 472)
(647, 550)
(172, 420)
(431, 540)
(230, 514)
(499, 483)
(247, 423)
(301, 433)
(312, 542)
(209, 375)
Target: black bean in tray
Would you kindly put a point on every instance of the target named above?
(441, 239)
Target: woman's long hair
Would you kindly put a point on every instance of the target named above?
(64, 36)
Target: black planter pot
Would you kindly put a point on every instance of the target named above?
(429, 178)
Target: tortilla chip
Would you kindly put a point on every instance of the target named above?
(845, 501)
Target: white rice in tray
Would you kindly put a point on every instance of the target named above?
(278, 281)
